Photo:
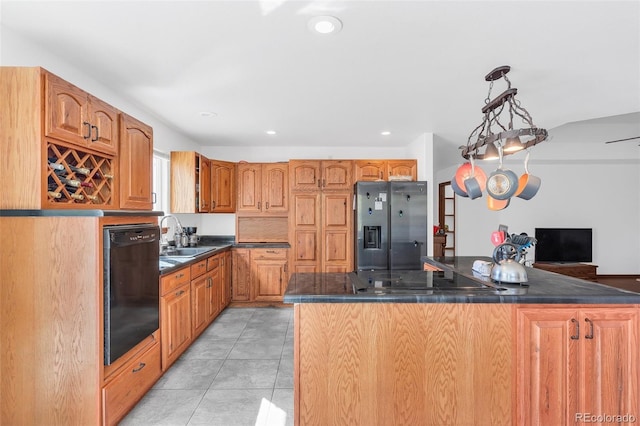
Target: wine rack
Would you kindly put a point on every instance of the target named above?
(76, 178)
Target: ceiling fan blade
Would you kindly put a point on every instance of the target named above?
(622, 140)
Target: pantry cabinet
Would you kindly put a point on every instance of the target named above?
(136, 164)
(576, 360)
(263, 189)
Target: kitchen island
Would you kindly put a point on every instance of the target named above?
(565, 348)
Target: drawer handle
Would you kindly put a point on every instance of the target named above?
(202, 265)
(179, 275)
(180, 293)
(140, 367)
(272, 251)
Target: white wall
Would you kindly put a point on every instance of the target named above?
(594, 186)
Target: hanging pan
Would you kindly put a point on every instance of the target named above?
(459, 191)
(528, 185)
(502, 184)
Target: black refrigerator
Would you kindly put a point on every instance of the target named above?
(390, 225)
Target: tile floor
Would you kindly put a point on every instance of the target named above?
(238, 372)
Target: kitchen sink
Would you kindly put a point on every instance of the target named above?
(188, 251)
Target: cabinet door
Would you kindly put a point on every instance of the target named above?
(135, 165)
(304, 174)
(104, 127)
(249, 188)
(402, 168)
(66, 112)
(215, 294)
(337, 232)
(370, 170)
(241, 276)
(175, 327)
(337, 175)
(200, 289)
(305, 227)
(223, 188)
(204, 184)
(184, 181)
(547, 381)
(610, 359)
(275, 187)
(269, 279)
(226, 278)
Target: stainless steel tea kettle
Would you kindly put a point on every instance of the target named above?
(507, 267)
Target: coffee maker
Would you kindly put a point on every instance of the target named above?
(192, 236)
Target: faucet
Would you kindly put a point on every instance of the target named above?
(164, 243)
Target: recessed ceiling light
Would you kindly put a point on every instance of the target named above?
(270, 132)
(207, 114)
(325, 24)
(385, 133)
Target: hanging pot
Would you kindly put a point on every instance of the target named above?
(476, 182)
(459, 191)
(528, 185)
(495, 205)
(502, 184)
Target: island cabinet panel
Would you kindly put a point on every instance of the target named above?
(575, 362)
(403, 364)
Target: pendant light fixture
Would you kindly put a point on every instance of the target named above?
(497, 126)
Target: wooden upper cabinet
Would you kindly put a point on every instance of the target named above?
(204, 183)
(223, 187)
(402, 168)
(135, 164)
(263, 188)
(308, 175)
(74, 116)
(375, 170)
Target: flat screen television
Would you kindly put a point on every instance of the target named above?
(564, 245)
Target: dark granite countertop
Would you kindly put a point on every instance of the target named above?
(542, 287)
(169, 265)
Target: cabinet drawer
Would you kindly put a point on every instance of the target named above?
(121, 394)
(213, 262)
(199, 268)
(174, 280)
(269, 253)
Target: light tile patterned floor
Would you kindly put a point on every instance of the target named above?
(239, 372)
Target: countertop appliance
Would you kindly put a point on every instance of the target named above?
(390, 225)
(131, 290)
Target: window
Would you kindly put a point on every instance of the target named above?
(161, 182)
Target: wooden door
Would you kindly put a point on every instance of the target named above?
(200, 289)
(610, 358)
(337, 175)
(305, 175)
(337, 246)
(547, 381)
(104, 127)
(241, 276)
(269, 279)
(275, 187)
(370, 170)
(249, 188)
(135, 164)
(402, 168)
(205, 183)
(175, 312)
(66, 112)
(223, 188)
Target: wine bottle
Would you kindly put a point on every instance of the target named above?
(70, 182)
(78, 197)
(86, 184)
(92, 197)
(99, 175)
(54, 194)
(54, 165)
(80, 170)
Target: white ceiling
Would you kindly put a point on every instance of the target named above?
(409, 67)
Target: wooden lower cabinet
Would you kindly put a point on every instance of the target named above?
(577, 361)
(403, 364)
(259, 275)
(175, 315)
(130, 384)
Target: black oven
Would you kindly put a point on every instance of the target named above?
(131, 291)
